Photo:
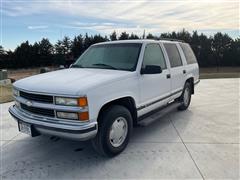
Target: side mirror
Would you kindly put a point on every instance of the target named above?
(151, 69)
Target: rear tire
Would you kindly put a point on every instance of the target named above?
(114, 130)
(185, 98)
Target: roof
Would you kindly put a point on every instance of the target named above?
(138, 41)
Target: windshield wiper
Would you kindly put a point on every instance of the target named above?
(76, 66)
(106, 65)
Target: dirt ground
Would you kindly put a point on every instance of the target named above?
(5, 93)
(225, 72)
(22, 73)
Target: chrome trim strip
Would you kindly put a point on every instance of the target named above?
(50, 122)
(49, 94)
(49, 119)
(52, 106)
(68, 135)
(156, 101)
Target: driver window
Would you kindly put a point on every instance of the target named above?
(153, 55)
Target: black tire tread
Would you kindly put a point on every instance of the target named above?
(104, 120)
(182, 107)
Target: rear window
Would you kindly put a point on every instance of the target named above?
(173, 54)
(188, 52)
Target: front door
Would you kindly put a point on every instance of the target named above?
(154, 88)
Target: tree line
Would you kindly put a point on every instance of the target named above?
(213, 51)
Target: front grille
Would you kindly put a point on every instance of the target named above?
(37, 97)
(39, 111)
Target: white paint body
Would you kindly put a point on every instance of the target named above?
(101, 86)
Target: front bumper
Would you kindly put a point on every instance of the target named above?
(43, 125)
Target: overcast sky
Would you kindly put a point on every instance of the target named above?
(34, 19)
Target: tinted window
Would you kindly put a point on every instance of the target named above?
(188, 52)
(153, 55)
(173, 54)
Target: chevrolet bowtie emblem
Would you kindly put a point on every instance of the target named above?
(29, 103)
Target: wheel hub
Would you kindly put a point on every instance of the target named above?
(186, 96)
(118, 132)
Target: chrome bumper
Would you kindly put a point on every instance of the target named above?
(43, 125)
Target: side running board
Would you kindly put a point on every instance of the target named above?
(157, 114)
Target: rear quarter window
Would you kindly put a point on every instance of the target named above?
(173, 54)
(189, 54)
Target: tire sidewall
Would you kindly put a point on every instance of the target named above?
(187, 86)
(184, 106)
(109, 118)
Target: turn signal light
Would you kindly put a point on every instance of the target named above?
(83, 116)
(82, 101)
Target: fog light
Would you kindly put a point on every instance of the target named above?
(67, 115)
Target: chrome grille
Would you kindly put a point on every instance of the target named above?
(37, 97)
(38, 111)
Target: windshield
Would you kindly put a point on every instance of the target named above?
(122, 56)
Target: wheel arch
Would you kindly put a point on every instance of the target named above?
(191, 81)
(127, 102)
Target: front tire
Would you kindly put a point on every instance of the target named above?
(114, 130)
(185, 98)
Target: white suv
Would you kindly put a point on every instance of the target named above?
(109, 89)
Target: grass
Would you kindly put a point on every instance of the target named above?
(222, 72)
(219, 75)
(5, 93)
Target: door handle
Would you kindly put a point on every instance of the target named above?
(168, 76)
(184, 71)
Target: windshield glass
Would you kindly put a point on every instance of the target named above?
(122, 56)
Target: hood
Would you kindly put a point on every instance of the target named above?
(73, 81)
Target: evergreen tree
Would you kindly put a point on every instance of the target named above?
(134, 36)
(124, 36)
(66, 45)
(59, 47)
(150, 36)
(77, 47)
(219, 50)
(113, 36)
(45, 47)
(2, 52)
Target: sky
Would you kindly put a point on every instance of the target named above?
(33, 20)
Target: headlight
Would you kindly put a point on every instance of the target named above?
(82, 101)
(15, 92)
(17, 104)
(66, 101)
(67, 115)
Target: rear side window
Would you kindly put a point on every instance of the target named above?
(173, 54)
(188, 52)
(153, 55)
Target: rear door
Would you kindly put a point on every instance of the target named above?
(177, 70)
(191, 60)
